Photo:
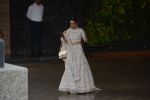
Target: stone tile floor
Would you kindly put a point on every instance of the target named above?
(119, 79)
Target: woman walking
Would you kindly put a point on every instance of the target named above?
(77, 77)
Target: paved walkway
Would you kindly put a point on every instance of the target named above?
(120, 80)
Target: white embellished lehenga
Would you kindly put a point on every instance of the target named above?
(77, 77)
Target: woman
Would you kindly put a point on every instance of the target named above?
(77, 77)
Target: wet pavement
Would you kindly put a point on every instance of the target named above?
(119, 79)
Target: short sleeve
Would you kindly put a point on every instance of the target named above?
(29, 11)
(83, 35)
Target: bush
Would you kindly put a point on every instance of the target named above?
(117, 21)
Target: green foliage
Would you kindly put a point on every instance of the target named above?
(117, 21)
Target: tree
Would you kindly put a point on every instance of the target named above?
(117, 21)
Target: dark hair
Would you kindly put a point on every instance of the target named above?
(67, 22)
(74, 19)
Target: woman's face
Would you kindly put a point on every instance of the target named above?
(73, 24)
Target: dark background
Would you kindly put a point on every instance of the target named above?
(110, 24)
(56, 16)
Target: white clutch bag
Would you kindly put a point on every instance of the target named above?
(62, 54)
(63, 49)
